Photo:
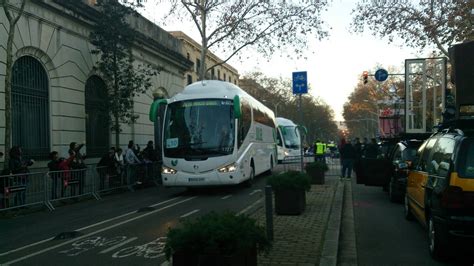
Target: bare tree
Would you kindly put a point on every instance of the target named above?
(13, 14)
(267, 26)
(418, 23)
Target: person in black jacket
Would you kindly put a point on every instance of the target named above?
(19, 168)
(348, 155)
(54, 174)
(372, 150)
(107, 168)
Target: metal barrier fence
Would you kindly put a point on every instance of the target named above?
(45, 188)
(294, 164)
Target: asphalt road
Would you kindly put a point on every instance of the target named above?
(384, 237)
(122, 229)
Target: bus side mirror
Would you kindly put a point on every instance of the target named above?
(237, 109)
(155, 106)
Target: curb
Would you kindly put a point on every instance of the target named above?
(331, 236)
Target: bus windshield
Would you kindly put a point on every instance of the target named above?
(199, 129)
(291, 138)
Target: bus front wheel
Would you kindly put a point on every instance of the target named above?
(249, 182)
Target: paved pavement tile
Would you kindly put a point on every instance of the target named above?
(298, 240)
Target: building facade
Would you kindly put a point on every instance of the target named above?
(58, 98)
(192, 51)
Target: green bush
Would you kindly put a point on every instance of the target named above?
(217, 233)
(316, 166)
(290, 180)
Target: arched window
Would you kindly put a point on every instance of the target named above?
(30, 108)
(97, 117)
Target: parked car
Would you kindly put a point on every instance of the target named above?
(440, 191)
(401, 155)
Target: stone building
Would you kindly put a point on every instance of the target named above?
(57, 97)
(192, 50)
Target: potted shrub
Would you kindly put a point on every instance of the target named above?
(217, 239)
(316, 171)
(290, 192)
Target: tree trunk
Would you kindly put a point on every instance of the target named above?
(203, 70)
(8, 91)
(8, 76)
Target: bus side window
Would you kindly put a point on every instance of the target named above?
(245, 121)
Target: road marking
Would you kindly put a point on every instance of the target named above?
(27, 246)
(83, 228)
(118, 245)
(97, 231)
(123, 215)
(226, 197)
(255, 191)
(250, 207)
(189, 213)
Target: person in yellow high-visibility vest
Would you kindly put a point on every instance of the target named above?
(319, 150)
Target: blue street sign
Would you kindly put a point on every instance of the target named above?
(300, 82)
(381, 75)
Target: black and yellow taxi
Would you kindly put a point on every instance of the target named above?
(440, 190)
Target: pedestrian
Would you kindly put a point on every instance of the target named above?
(120, 164)
(358, 148)
(19, 168)
(319, 151)
(54, 173)
(131, 163)
(67, 179)
(77, 165)
(149, 158)
(107, 168)
(348, 155)
(372, 151)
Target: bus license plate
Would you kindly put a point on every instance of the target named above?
(195, 179)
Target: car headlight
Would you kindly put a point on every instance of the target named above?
(287, 153)
(228, 168)
(167, 170)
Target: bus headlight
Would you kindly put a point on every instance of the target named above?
(228, 168)
(167, 170)
(287, 153)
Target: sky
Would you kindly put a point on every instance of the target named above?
(334, 65)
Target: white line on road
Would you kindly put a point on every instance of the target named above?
(96, 232)
(255, 191)
(83, 228)
(123, 215)
(189, 213)
(226, 197)
(118, 245)
(250, 206)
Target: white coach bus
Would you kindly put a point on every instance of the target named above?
(288, 139)
(214, 133)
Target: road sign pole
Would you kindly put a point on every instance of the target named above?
(300, 110)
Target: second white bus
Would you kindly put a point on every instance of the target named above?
(288, 139)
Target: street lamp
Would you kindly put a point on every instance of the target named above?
(274, 105)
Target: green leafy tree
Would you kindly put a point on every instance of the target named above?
(418, 23)
(13, 14)
(114, 38)
(266, 26)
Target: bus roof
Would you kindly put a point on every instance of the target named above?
(216, 89)
(284, 122)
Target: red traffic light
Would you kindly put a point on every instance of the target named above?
(365, 75)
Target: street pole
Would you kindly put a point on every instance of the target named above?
(301, 131)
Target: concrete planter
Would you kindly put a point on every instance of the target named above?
(244, 258)
(290, 201)
(317, 176)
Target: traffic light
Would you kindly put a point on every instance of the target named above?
(365, 76)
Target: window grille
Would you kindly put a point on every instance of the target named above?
(97, 117)
(30, 108)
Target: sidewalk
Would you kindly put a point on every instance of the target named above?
(300, 240)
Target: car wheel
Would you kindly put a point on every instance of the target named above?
(437, 244)
(408, 214)
(249, 181)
